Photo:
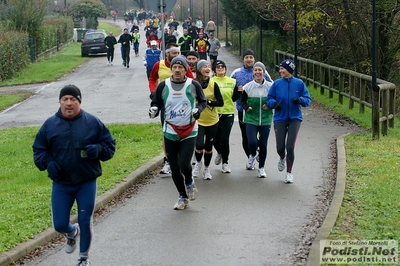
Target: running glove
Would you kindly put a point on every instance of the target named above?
(195, 113)
(278, 106)
(153, 111)
(297, 100)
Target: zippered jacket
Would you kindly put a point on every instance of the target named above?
(285, 91)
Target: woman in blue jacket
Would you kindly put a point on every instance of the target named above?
(287, 95)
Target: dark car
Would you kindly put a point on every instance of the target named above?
(93, 43)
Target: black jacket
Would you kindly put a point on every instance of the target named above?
(125, 38)
(110, 41)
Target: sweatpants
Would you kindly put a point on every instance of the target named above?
(62, 200)
(286, 136)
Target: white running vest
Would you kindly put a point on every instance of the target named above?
(178, 108)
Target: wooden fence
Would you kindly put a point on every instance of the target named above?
(355, 86)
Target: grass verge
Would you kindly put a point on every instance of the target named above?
(25, 191)
(56, 65)
(370, 208)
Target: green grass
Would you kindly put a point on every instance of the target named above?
(57, 65)
(25, 191)
(10, 99)
(370, 208)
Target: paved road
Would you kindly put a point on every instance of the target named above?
(237, 218)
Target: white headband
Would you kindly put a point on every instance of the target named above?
(172, 49)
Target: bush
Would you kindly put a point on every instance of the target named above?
(14, 52)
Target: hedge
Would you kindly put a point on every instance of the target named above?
(14, 52)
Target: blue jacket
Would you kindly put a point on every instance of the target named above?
(285, 91)
(151, 57)
(243, 76)
(63, 140)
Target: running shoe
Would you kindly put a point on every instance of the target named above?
(182, 203)
(71, 240)
(206, 174)
(261, 173)
(218, 159)
(166, 168)
(197, 168)
(192, 191)
(289, 178)
(250, 162)
(281, 164)
(82, 261)
(225, 168)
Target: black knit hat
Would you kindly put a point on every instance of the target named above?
(194, 53)
(248, 52)
(71, 90)
(216, 63)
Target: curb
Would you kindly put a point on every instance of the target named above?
(333, 212)
(47, 235)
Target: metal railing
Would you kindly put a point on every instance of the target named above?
(355, 86)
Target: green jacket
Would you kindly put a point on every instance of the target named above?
(254, 96)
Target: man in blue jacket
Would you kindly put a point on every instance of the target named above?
(70, 145)
(151, 57)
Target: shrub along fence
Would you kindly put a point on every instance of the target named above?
(355, 86)
(18, 49)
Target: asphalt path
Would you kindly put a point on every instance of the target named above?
(237, 219)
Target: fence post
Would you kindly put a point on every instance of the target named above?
(385, 111)
(375, 112)
(32, 49)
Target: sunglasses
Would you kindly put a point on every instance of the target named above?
(219, 66)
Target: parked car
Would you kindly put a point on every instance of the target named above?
(93, 43)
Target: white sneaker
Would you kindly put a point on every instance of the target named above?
(181, 204)
(192, 191)
(108, 63)
(197, 168)
(289, 178)
(218, 159)
(166, 168)
(250, 162)
(111, 63)
(225, 168)
(206, 174)
(261, 173)
(281, 164)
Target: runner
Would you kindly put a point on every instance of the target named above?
(257, 117)
(230, 94)
(208, 121)
(287, 95)
(178, 95)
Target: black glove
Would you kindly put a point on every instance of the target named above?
(52, 169)
(297, 100)
(92, 151)
(151, 96)
(278, 106)
(196, 113)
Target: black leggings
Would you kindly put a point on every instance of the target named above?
(110, 54)
(204, 142)
(126, 51)
(242, 127)
(289, 130)
(221, 143)
(179, 156)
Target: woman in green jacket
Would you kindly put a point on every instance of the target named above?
(257, 117)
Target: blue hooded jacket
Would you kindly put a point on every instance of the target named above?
(62, 140)
(285, 91)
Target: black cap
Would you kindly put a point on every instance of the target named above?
(71, 90)
(194, 53)
(248, 52)
(218, 62)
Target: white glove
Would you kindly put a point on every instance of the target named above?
(145, 63)
(153, 111)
